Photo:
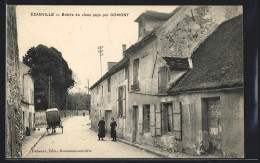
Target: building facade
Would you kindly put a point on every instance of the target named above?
(27, 99)
(181, 93)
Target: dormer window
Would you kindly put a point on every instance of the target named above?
(170, 74)
(141, 28)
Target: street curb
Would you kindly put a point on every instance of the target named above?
(35, 143)
(143, 148)
(140, 147)
(41, 138)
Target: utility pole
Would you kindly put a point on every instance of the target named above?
(88, 86)
(100, 51)
(49, 93)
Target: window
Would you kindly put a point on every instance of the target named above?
(162, 80)
(97, 89)
(167, 118)
(109, 84)
(135, 72)
(135, 85)
(172, 119)
(146, 118)
(121, 102)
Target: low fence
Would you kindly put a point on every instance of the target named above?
(40, 115)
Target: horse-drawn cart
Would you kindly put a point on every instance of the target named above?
(53, 120)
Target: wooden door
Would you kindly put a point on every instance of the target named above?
(30, 121)
(108, 116)
(135, 122)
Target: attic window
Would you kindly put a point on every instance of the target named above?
(177, 63)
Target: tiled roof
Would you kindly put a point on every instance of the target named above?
(121, 64)
(218, 61)
(141, 42)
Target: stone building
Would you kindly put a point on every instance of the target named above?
(109, 97)
(181, 91)
(27, 99)
(13, 115)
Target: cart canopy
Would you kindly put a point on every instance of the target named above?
(53, 117)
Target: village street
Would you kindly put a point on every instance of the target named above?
(82, 142)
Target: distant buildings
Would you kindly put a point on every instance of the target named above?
(180, 87)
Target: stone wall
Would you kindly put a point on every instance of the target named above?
(13, 113)
(40, 115)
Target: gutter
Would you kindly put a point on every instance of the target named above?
(205, 90)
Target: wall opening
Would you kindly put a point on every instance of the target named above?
(212, 122)
(146, 118)
(167, 118)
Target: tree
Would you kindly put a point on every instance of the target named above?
(48, 62)
(79, 101)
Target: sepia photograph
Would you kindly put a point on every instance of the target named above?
(124, 81)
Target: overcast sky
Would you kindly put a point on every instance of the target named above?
(77, 37)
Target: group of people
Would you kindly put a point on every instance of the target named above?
(102, 131)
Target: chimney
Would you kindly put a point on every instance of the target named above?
(110, 65)
(123, 49)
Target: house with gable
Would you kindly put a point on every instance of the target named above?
(180, 91)
(109, 96)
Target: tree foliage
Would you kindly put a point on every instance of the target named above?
(48, 62)
(78, 101)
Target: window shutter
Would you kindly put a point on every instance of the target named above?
(124, 101)
(140, 122)
(158, 120)
(117, 106)
(170, 114)
(164, 112)
(152, 119)
(177, 121)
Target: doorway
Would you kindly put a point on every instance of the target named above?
(108, 116)
(211, 122)
(30, 121)
(135, 123)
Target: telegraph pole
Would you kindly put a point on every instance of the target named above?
(49, 93)
(88, 86)
(100, 51)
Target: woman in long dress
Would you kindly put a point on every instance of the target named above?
(113, 129)
(101, 129)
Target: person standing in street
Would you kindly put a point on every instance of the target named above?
(113, 129)
(101, 129)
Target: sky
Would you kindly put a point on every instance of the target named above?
(77, 37)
